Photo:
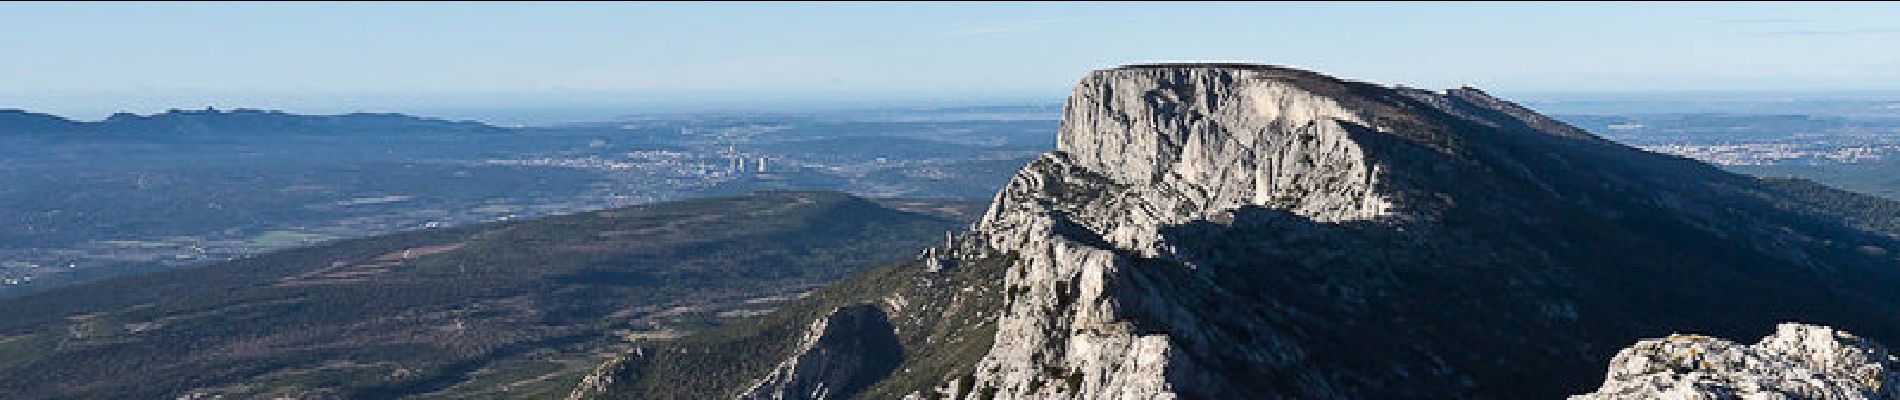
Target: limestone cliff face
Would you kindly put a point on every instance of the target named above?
(1207, 140)
(1796, 362)
(1238, 231)
(1142, 149)
(1244, 231)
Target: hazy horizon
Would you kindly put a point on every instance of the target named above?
(606, 107)
(88, 60)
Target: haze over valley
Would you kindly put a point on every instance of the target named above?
(214, 185)
(246, 187)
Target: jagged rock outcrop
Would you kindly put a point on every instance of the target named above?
(1142, 149)
(1175, 187)
(1245, 231)
(840, 355)
(600, 382)
(1796, 362)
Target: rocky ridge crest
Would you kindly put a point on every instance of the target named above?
(1245, 231)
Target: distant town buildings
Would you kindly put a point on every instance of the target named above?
(1776, 153)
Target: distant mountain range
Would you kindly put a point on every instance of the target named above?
(212, 122)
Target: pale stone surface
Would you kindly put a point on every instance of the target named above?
(600, 382)
(1152, 161)
(783, 382)
(1190, 143)
(1796, 362)
(1141, 149)
(840, 354)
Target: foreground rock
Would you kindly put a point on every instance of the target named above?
(1796, 362)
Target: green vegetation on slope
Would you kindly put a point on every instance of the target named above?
(1874, 177)
(940, 318)
(501, 310)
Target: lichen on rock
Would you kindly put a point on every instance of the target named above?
(1797, 361)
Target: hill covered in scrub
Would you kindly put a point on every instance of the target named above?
(516, 310)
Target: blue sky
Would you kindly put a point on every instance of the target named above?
(87, 59)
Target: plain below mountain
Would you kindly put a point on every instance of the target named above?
(519, 309)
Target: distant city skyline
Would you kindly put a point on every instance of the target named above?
(87, 60)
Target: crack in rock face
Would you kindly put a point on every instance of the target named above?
(1797, 361)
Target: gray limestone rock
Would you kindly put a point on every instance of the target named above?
(1796, 362)
(840, 355)
(1246, 231)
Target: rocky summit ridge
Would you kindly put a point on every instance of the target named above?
(1246, 231)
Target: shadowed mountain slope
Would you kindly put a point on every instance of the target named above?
(1230, 231)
